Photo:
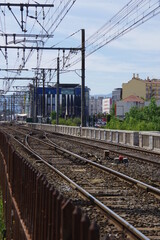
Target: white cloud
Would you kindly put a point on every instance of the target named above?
(138, 51)
(143, 39)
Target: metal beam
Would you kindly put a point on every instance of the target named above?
(41, 48)
(19, 87)
(26, 5)
(13, 69)
(19, 91)
(44, 69)
(15, 78)
(25, 35)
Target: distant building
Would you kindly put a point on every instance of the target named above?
(116, 95)
(10, 105)
(106, 105)
(69, 100)
(148, 102)
(126, 104)
(145, 89)
(95, 105)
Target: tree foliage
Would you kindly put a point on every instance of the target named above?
(53, 115)
(68, 122)
(62, 121)
(139, 119)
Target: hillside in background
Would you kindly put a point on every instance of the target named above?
(109, 95)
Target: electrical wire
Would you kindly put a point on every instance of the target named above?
(29, 55)
(71, 35)
(130, 16)
(133, 14)
(59, 16)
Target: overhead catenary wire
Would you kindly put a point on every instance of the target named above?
(65, 9)
(36, 20)
(142, 12)
(129, 17)
(105, 31)
(3, 27)
(71, 35)
(61, 15)
(116, 17)
(25, 39)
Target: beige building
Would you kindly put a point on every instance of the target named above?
(143, 88)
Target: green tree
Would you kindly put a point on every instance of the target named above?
(53, 115)
(77, 121)
(113, 109)
(68, 122)
(139, 119)
(108, 117)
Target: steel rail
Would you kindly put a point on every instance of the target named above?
(132, 231)
(117, 151)
(140, 184)
(107, 142)
(136, 157)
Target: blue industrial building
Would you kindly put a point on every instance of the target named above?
(69, 100)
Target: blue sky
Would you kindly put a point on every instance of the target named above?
(136, 52)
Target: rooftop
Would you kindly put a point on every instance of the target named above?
(133, 98)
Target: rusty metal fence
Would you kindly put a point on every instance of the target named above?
(33, 209)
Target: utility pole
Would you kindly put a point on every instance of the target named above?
(8, 108)
(57, 115)
(43, 71)
(83, 118)
(43, 114)
(11, 107)
(36, 110)
(5, 109)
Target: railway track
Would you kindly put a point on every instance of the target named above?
(129, 200)
(143, 165)
(127, 150)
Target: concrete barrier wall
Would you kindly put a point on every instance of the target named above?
(147, 140)
(156, 142)
(150, 140)
(123, 137)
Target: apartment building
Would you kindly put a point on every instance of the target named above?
(95, 105)
(124, 106)
(106, 105)
(145, 89)
(116, 95)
